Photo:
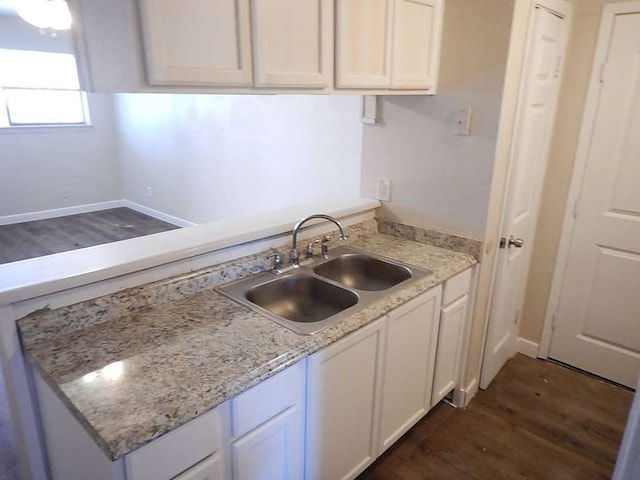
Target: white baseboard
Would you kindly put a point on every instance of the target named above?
(462, 396)
(165, 217)
(59, 212)
(93, 207)
(527, 347)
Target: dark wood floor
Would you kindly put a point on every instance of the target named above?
(44, 237)
(536, 421)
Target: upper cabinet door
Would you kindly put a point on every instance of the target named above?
(292, 43)
(197, 42)
(363, 43)
(416, 46)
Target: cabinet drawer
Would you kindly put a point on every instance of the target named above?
(209, 469)
(264, 401)
(177, 451)
(456, 287)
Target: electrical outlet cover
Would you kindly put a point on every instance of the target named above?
(384, 189)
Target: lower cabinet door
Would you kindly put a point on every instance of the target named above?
(452, 321)
(412, 332)
(209, 469)
(272, 451)
(343, 387)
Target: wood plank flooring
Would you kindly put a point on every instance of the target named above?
(20, 241)
(538, 420)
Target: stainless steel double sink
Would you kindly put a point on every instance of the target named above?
(312, 297)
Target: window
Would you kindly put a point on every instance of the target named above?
(40, 88)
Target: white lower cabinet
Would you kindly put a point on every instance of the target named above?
(271, 451)
(327, 417)
(368, 389)
(191, 452)
(412, 331)
(451, 333)
(209, 469)
(268, 428)
(343, 389)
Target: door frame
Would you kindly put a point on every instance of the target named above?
(565, 10)
(580, 165)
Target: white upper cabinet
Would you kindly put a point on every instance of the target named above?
(197, 42)
(388, 43)
(292, 43)
(416, 43)
(363, 43)
(258, 46)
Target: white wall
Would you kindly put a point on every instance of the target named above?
(209, 157)
(441, 180)
(39, 168)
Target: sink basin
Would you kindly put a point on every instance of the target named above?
(363, 272)
(301, 298)
(315, 296)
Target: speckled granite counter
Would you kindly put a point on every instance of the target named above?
(137, 364)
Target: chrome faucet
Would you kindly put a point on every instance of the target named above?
(293, 255)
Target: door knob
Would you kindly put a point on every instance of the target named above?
(512, 242)
(515, 242)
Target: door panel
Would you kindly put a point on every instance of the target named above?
(197, 42)
(416, 23)
(598, 316)
(343, 390)
(292, 43)
(533, 132)
(408, 368)
(363, 43)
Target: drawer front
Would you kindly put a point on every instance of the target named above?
(209, 469)
(456, 287)
(176, 451)
(264, 401)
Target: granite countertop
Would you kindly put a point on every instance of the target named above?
(140, 375)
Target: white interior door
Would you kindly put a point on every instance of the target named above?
(597, 326)
(539, 93)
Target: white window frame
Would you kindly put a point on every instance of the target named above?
(9, 127)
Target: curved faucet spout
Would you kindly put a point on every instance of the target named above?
(296, 228)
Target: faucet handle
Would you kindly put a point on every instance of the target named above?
(325, 246)
(309, 249)
(277, 263)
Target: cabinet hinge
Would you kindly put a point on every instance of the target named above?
(603, 71)
(516, 317)
(503, 242)
(558, 65)
(554, 320)
(576, 209)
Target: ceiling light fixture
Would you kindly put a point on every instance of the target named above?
(46, 14)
